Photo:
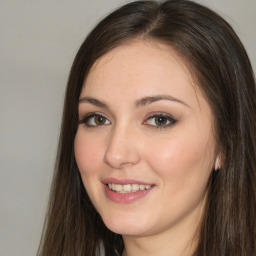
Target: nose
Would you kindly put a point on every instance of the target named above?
(122, 149)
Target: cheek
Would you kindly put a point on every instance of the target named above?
(89, 157)
(184, 170)
(181, 160)
(87, 153)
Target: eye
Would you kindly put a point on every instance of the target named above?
(160, 121)
(94, 120)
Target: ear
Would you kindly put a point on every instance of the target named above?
(218, 163)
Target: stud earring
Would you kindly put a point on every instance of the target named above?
(217, 164)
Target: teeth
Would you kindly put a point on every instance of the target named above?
(142, 187)
(128, 187)
(135, 187)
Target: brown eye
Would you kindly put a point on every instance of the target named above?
(160, 121)
(100, 120)
(94, 120)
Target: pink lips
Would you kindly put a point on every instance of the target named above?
(125, 197)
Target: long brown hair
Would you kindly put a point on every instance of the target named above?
(220, 65)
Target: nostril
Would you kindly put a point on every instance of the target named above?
(126, 164)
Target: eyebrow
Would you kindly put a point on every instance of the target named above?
(94, 102)
(151, 99)
(138, 103)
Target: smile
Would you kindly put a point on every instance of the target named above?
(128, 188)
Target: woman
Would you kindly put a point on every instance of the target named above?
(158, 140)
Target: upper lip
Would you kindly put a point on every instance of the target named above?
(124, 181)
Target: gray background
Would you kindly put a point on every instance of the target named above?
(38, 41)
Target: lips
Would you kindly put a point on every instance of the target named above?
(126, 190)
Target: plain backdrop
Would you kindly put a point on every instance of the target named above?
(38, 41)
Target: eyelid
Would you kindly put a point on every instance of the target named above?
(89, 115)
(169, 117)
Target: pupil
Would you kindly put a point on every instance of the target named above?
(100, 120)
(161, 120)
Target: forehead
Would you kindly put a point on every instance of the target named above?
(138, 68)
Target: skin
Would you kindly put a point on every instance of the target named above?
(177, 158)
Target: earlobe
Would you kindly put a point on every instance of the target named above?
(217, 165)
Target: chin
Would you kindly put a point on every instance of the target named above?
(125, 225)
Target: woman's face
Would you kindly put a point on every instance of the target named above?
(144, 145)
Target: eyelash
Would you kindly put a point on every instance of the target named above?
(85, 120)
(171, 121)
(166, 118)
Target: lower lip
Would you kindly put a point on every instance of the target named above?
(126, 197)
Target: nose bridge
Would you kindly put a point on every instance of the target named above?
(122, 147)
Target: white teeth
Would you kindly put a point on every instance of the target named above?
(135, 187)
(142, 187)
(117, 187)
(128, 187)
